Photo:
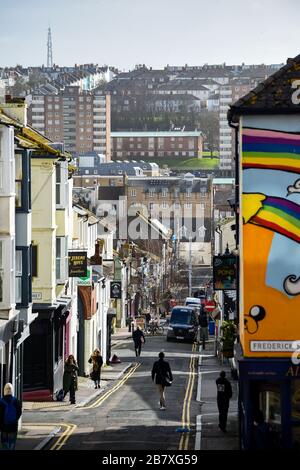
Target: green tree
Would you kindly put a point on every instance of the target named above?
(208, 122)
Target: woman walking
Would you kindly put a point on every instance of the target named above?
(70, 381)
(161, 371)
(97, 361)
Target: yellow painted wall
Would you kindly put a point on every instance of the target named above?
(44, 228)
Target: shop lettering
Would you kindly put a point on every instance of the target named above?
(293, 371)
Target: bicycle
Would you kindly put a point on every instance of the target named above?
(154, 329)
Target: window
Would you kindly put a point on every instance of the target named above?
(18, 277)
(34, 261)
(188, 205)
(61, 259)
(164, 192)
(151, 192)
(18, 179)
(189, 192)
(58, 181)
(165, 205)
(133, 192)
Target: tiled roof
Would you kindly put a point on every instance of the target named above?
(272, 95)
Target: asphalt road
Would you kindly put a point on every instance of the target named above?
(128, 416)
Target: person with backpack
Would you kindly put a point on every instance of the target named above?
(162, 374)
(97, 362)
(10, 412)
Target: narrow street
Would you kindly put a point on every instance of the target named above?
(130, 418)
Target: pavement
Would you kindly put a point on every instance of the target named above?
(35, 436)
(208, 435)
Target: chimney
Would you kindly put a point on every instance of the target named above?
(15, 108)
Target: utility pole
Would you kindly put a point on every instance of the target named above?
(49, 50)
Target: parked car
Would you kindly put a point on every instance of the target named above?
(184, 324)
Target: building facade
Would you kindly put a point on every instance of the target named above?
(267, 126)
(136, 145)
(80, 119)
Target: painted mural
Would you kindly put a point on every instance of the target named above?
(270, 241)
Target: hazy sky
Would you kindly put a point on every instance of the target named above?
(153, 32)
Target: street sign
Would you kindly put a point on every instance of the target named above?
(210, 305)
(116, 290)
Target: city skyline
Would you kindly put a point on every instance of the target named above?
(124, 33)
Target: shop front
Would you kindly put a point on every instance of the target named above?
(270, 386)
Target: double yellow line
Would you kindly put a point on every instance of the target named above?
(185, 421)
(116, 387)
(70, 428)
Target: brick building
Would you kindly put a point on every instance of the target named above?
(136, 145)
(78, 118)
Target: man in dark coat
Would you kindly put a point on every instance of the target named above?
(10, 412)
(224, 394)
(70, 378)
(203, 322)
(138, 338)
(162, 373)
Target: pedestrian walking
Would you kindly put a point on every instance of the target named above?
(70, 380)
(203, 322)
(224, 394)
(161, 372)
(148, 318)
(97, 361)
(10, 412)
(138, 339)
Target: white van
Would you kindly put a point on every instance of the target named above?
(192, 301)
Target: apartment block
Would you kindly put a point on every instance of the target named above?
(78, 118)
(136, 145)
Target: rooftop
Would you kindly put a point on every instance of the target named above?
(157, 134)
(272, 95)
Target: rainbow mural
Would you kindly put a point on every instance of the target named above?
(270, 255)
(271, 149)
(279, 215)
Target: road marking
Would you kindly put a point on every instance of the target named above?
(184, 441)
(116, 387)
(70, 428)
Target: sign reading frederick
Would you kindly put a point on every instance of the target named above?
(77, 264)
(115, 290)
(224, 272)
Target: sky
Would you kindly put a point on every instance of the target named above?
(124, 33)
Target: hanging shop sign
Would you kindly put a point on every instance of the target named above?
(116, 290)
(77, 263)
(224, 272)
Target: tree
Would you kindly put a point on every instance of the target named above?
(209, 125)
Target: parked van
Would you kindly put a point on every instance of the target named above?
(184, 324)
(192, 301)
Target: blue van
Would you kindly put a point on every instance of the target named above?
(183, 324)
